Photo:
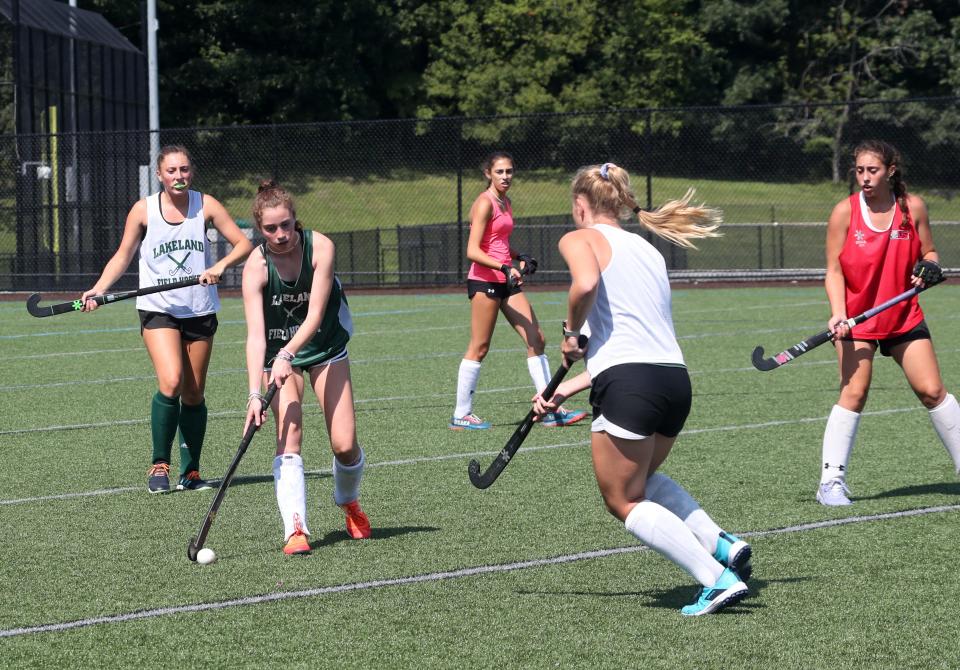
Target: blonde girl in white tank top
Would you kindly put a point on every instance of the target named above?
(634, 362)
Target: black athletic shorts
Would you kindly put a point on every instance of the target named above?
(918, 332)
(498, 290)
(642, 399)
(191, 329)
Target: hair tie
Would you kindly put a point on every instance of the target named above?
(603, 171)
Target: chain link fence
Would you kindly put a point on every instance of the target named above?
(395, 195)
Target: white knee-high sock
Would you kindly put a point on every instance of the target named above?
(346, 480)
(291, 490)
(467, 379)
(838, 439)
(666, 492)
(539, 368)
(946, 421)
(662, 530)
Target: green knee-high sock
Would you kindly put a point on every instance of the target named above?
(164, 416)
(193, 428)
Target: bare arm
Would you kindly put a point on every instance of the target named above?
(228, 228)
(566, 389)
(834, 282)
(253, 281)
(577, 250)
(480, 215)
(133, 231)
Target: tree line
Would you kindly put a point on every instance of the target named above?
(283, 61)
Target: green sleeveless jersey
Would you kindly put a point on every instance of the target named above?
(285, 309)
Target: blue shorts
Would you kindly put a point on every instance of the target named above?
(637, 400)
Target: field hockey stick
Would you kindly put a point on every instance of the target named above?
(33, 302)
(765, 364)
(196, 542)
(489, 476)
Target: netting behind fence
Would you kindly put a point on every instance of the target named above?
(395, 195)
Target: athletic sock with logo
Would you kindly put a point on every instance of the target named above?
(946, 421)
(662, 530)
(838, 439)
(467, 379)
(164, 416)
(193, 428)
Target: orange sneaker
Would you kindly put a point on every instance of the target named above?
(358, 525)
(297, 544)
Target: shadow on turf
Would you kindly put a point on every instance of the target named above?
(941, 488)
(675, 598)
(379, 533)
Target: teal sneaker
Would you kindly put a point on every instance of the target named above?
(562, 417)
(734, 553)
(469, 422)
(192, 482)
(728, 590)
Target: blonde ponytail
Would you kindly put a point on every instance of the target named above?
(607, 188)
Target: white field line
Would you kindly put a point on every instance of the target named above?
(437, 576)
(448, 457)
(355, 361)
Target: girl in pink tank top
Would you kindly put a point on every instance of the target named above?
(493, 286)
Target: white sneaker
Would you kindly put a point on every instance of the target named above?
(834, 493)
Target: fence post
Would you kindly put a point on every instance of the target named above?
(648, 141)
(460, 201)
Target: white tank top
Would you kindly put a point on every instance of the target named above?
(631, 320)
(174, 252)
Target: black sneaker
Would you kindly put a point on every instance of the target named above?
(159, 478)
(192, 482)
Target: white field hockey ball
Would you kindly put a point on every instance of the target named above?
(206, 556)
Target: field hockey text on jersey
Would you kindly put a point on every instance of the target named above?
(282, 334)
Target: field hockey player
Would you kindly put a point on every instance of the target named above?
(298, 322)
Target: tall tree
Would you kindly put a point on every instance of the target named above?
(858, 50)
(564, 55)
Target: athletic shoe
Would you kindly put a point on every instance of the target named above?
(734, 553)
(298, 543)
(468, 422)
(192, 482)
(728, 590)
(562, 417)
(159, 478)
(833, 493)
(358, 525)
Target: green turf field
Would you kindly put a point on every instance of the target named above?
(529, 573)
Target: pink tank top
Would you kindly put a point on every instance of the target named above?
(495, 243)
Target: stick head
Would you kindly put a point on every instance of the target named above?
(192, 549)
(33, 306)
(761, 363)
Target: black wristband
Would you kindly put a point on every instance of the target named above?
(505, 269)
